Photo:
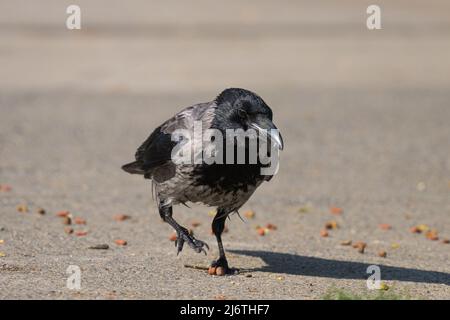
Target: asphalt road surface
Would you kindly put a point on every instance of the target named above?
(364, 116)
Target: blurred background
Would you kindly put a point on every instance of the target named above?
(364, 113)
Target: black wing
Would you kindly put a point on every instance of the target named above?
(157, 149)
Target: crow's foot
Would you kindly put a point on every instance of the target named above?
(220, 268)
(184, 236)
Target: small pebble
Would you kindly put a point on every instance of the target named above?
(324, 233)
(41, 211)
(346, 243)
(421, 186)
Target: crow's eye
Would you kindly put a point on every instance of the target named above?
(242, 114)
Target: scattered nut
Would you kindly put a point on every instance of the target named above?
(68, 230)
(385, 226)
(346, 242)
(22, 208)
(383, 286)
(446, 241)
(324, 233)
(336, 211)
(212, 213)
(220, 271)
(173, 237)
(78, 220)
(331, 225)
(2, 254)
(304, 209)
(382, 254)
(261, 231)
(195, 224)
(271, 226)
(120, 242)
(432, 235)
(395, 245)
(63, 214)
(361, 246)
(121, 217)
(40, 211)
(415, 230)
(423, 227)
(249, 214)
(67, 220)
(80, 233)
(5, 188)
(212, 271)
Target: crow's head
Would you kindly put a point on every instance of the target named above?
(243, 109)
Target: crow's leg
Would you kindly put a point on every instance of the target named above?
(165, 211)
(218, 225)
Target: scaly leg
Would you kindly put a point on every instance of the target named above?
(218, 225)
(165, 211)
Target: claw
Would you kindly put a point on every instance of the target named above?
(184, 236)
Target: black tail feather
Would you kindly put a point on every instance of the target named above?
(134, 168)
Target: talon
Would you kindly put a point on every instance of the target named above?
(184, 236)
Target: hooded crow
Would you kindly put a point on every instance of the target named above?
(226, 183)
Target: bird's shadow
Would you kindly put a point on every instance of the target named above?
(286, 263)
